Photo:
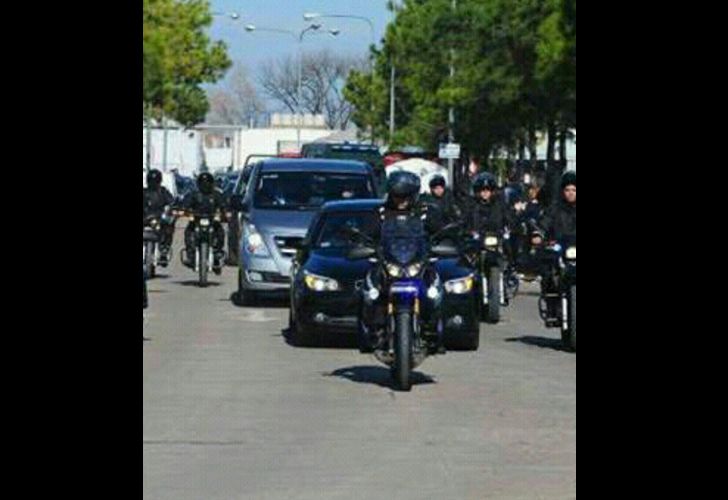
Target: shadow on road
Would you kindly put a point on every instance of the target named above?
(196, 283)
(325, 340)
(543, 342)
(378, 375)
(266, 302)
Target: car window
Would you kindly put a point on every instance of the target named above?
(331, 234)
(308, 190)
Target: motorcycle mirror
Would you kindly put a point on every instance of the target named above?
(360, 252)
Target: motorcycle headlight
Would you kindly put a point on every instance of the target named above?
(460, 286)
(394, 270)
(491, 241)
(413, 270)
(571, 253)
(320, 283)
(253, 241)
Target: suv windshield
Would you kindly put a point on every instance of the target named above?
(308, 190)
(332, 235)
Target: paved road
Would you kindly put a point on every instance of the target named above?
(231, 411)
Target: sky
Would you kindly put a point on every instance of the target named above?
(252, 49)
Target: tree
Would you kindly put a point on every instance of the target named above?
(236, 101)
(515, 73)
(322, 85)
(178, 57)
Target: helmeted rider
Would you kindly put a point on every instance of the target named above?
(206, 201)
(403, 199)
(559, 220)
(487, 210)
(157, 201)
(402, 208)
(442, 197)
(558, 223)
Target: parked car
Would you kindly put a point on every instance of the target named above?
(280, 199)
(324, 293)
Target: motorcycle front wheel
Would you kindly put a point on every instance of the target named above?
(149, 260)
(402, 367)
(494, 298)
(202, 265)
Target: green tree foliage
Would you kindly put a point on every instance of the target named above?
(515, 72)
(178, 57)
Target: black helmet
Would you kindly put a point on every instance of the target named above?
(205, 183)
(403, 185)
(568, 179)
(437, 180)
(484, 180)
(154, 179)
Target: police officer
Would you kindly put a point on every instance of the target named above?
(205, 202)
(487, 211)
(157, 200)
(442, 197)
(403, 190)
(558, 222)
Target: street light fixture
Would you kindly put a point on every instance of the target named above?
(313, 27)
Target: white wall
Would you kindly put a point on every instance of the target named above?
(183, 150)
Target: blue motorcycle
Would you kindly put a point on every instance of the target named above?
(400, 319)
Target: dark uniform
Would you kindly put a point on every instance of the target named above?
(205, 202)
(156, 201)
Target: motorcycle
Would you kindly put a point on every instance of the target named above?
(498, 286)
(405, 287)
(560, 271)
(204, 258)
(150, 246)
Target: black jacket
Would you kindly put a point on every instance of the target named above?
(430, 214)
(155, 200)
(491, 216)
(204, 204)
(559, 221)
(449, 211)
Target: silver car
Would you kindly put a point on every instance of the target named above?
(278, 205)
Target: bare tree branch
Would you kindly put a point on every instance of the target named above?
(322, 81)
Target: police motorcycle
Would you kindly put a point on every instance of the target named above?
(401, 297)
(485, 252)
(559, 267)
(151, 253)
(204, 235)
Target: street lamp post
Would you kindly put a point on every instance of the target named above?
(311, 15)
(298, 37)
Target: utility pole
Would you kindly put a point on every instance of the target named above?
(451, 114)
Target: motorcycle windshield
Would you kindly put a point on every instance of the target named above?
(403, 240)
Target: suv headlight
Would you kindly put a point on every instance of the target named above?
(491, 241)
(320, 283)
(460, 286)
(571, 253)
(253, 242)
(394, 270)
